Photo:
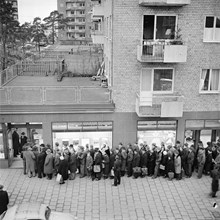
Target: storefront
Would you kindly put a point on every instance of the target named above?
(150, 132)
(203, 130)
(82, 133)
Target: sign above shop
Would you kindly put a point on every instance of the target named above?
(153, 125)
(59, 126)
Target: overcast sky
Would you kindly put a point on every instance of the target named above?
(29, 9)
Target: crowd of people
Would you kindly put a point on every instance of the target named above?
(132, 160)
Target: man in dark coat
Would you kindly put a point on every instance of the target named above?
(15, 141)
(23, 141)
(215, 174)
(63, 169)
(40, 162)
(98, 163)
(130, 161)
(190, 161)
(117, 171)
(72, 164)
(3, 200)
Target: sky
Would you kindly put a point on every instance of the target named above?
(30, 9)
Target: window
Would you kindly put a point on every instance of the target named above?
(210, 80)
(157, 80)
(159, 27)
(212, 29)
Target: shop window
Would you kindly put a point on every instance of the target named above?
(150, 132)
(157, 80)
(212, 29)
(210, 80)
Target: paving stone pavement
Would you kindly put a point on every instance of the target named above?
(142, 198)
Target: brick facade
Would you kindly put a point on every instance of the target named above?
(127, 23)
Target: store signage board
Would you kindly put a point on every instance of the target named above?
(59, 126)
(75, 126)
(104, 125)
(212, 123)
(167, 124)
(190, 124)
(90, 126)
(147, 125)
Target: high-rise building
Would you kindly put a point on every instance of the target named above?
(162, 61)
(14, 5)
(78, 28)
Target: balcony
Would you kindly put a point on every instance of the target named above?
(159, 106)
(164, 2)
(97, 36)
(162, 52)
(98, 11)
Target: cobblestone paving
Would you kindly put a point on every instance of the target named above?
(142, 198)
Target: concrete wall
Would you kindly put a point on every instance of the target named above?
(127, 34)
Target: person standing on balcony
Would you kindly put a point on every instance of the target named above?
(15, 141)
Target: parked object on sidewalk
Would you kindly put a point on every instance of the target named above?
(33, 211)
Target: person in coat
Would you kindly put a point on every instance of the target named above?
(117, 171)
(63, 170)
(72, 164)
(208, 161)
(40, 162)
(177, 164)
(24, 149)
(97, 163)
(4, 200)
(190, 161)
(105, 163)
(111, 163)
(157, 161)
(82, 162)
(89, 163)
(36, 152)
(15, 142)
(136, 164)
(201, 161)
(143, 161)
(30, 162)
(151, 161)
(170, 169)
(23, 141)
(130, 156)
(184, 156)
(215, 174)
(123, 160)
(48, 164)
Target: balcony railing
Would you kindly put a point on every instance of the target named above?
(164, 2)
(98, 11)
(51, 95)
(162, 51)
(161, 106)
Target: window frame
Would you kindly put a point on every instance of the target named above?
(152, 80)
(214, 29)
(209, 91)
(155, 23)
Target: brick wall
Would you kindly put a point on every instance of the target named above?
(127, 34)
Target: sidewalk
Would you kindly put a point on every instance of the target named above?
(134, 199)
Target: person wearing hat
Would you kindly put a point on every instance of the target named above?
(117, 171)
(23, 141)
(63, 169)
(15, 142)
(29, 158)
(3, 200)
(190, 161)
(201, 157)
(48, 164)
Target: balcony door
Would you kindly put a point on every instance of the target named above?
(159, 27)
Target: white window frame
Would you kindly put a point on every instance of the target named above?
(152, 80)
(155, 23)
(214, 29)
(209, 91)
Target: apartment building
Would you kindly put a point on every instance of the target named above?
(78, 28)
(14, 5)
(162, 61)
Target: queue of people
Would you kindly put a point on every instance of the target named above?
(171, 162)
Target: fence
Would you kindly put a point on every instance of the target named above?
(28, 67)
